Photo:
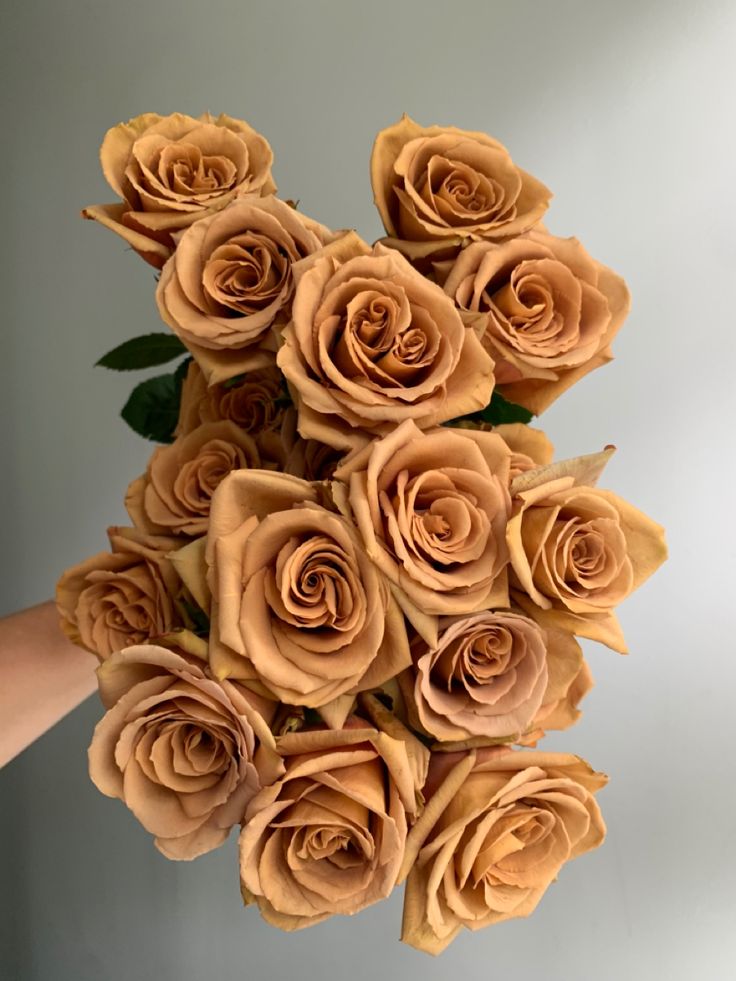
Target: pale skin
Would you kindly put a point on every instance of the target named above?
(43, 676)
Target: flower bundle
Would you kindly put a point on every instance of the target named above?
(348, 604)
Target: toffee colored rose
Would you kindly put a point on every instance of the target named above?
(171, 171)
(122, 597)
(487, 676)
(230, 282)
(184, 752)
(530, 448)
(175, 493)
(328, 837)
(576, 552)
(547, 310)
(432, 510)
(437, 187)
(498, 827)
(306, 458)
(251, 400)
(372, 343)
(494, 677)
(298, 608)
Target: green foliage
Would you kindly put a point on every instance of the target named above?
(143, 352)
(152, 410)
(499, 411)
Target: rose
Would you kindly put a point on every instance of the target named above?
(530, 448)
(178, 748)
(548, 312)
(494, 676)
(230, 281)
(252, 400)
(486, 676)
(437, 187)
(576, 552)
(297, 606)
(371, 343)
(497, 829)
(432, 511)
(328, 837)
(306, 458)
(122, 597)
(173, 170)
(175, 493)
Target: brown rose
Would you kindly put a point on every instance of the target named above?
(175, 493)
(437, 187)
(530, 448)
(297, 605)
(306, 458)
(252, 400)
(432, 511)
(122, 597)
(372, 342)
(492, 677)
(170, 171)
(184, 752)
(230, 281)
(328, 837)
(548, 312)
(495, 833)
(577, 551)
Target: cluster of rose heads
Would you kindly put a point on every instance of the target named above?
(347, 608)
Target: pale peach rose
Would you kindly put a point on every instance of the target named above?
(252, 400)
(170, 171)
(184, 752)
(432, 510)
(437, 187)
(548, 312)
(297, 605)
(576, 552)
(372, 342)
(230, 282)
(121, 597)
(175, 493)
(328, 837)
(498, 827)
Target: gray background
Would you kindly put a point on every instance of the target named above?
(626, 111)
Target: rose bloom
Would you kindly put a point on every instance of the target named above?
(171, 171)
(230, 281)
(184, 752)
(576, 552)
(328, 837)
(547, 310)
(175, 493)
(493, 675)
(372, 343)
(122, 597)
(530, 448)
(498, 827)
(250, 400)
(298, 608)
(432, 511)
(437, 187)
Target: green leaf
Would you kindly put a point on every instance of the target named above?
(152, 410)
(143, 352)
(499, 411)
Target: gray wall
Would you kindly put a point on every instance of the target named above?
(626, 110)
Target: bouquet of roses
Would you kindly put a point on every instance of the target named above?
(345, 611)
